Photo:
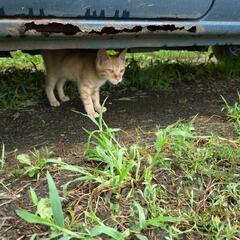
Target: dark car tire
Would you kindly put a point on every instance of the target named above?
(5, 54)
(226, 52)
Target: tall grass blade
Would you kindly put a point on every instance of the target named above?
(55, 202)
(2, 159)
(141, 215)
(111, 232)
(32, 218)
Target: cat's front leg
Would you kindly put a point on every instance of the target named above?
(50, 85)
(86, 94)
(96, 101)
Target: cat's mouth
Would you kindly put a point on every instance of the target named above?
(115, 82)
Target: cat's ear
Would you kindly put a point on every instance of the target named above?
(102, 56)
(122, 54)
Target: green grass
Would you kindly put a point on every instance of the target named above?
(233, 112)
(20, 88)
(35, 162)
(22, 77)
(176, 185)
(154, 72)
(21, 60)
(179, 185)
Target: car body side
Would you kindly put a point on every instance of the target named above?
(219, 24)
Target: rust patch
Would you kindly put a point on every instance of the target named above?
(67, 29)
(112, 30)
(193, 29)
(47, 28)
(170, 27)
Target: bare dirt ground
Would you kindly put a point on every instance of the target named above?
(61, 128)
(43, 125)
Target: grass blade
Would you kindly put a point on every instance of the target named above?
(33, 196)
(141, 237)
(2, 159)
(111, 232)
(158, 221)
(55, 202)
(24, 159)
(141, 215)
(32, 218)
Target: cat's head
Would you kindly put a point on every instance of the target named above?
(109, 67)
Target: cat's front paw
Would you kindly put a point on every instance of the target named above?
(55, 103)
(65, 98)
(93, 114)
(101, 109)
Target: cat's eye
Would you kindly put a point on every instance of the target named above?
(122, 71)
(110, 70)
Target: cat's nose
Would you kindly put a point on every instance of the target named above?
(119, 78)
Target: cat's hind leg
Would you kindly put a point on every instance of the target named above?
(61, 94)
(50, 86)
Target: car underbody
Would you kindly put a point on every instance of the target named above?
(47, 25)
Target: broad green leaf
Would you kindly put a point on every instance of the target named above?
(98, 230)
(54, 160)
(158, 221)
(31, 218)
(141, 237)
(34, 236)
(24, 159)
(133, 151)
(31, 170)
(55, 202)
(33, 196)
(55, 235)
(77, 169)
(141, 215)
(65, 238)
(44, 209)
(161, 141)
(179, 132)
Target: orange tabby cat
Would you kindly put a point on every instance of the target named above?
(89, 70)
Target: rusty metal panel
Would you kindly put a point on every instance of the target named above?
(218, 26)
(115, 42)
(33, 34)
(79, 28)
(124, 9)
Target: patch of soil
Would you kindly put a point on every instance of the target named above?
(43, 125)
(61, 128)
